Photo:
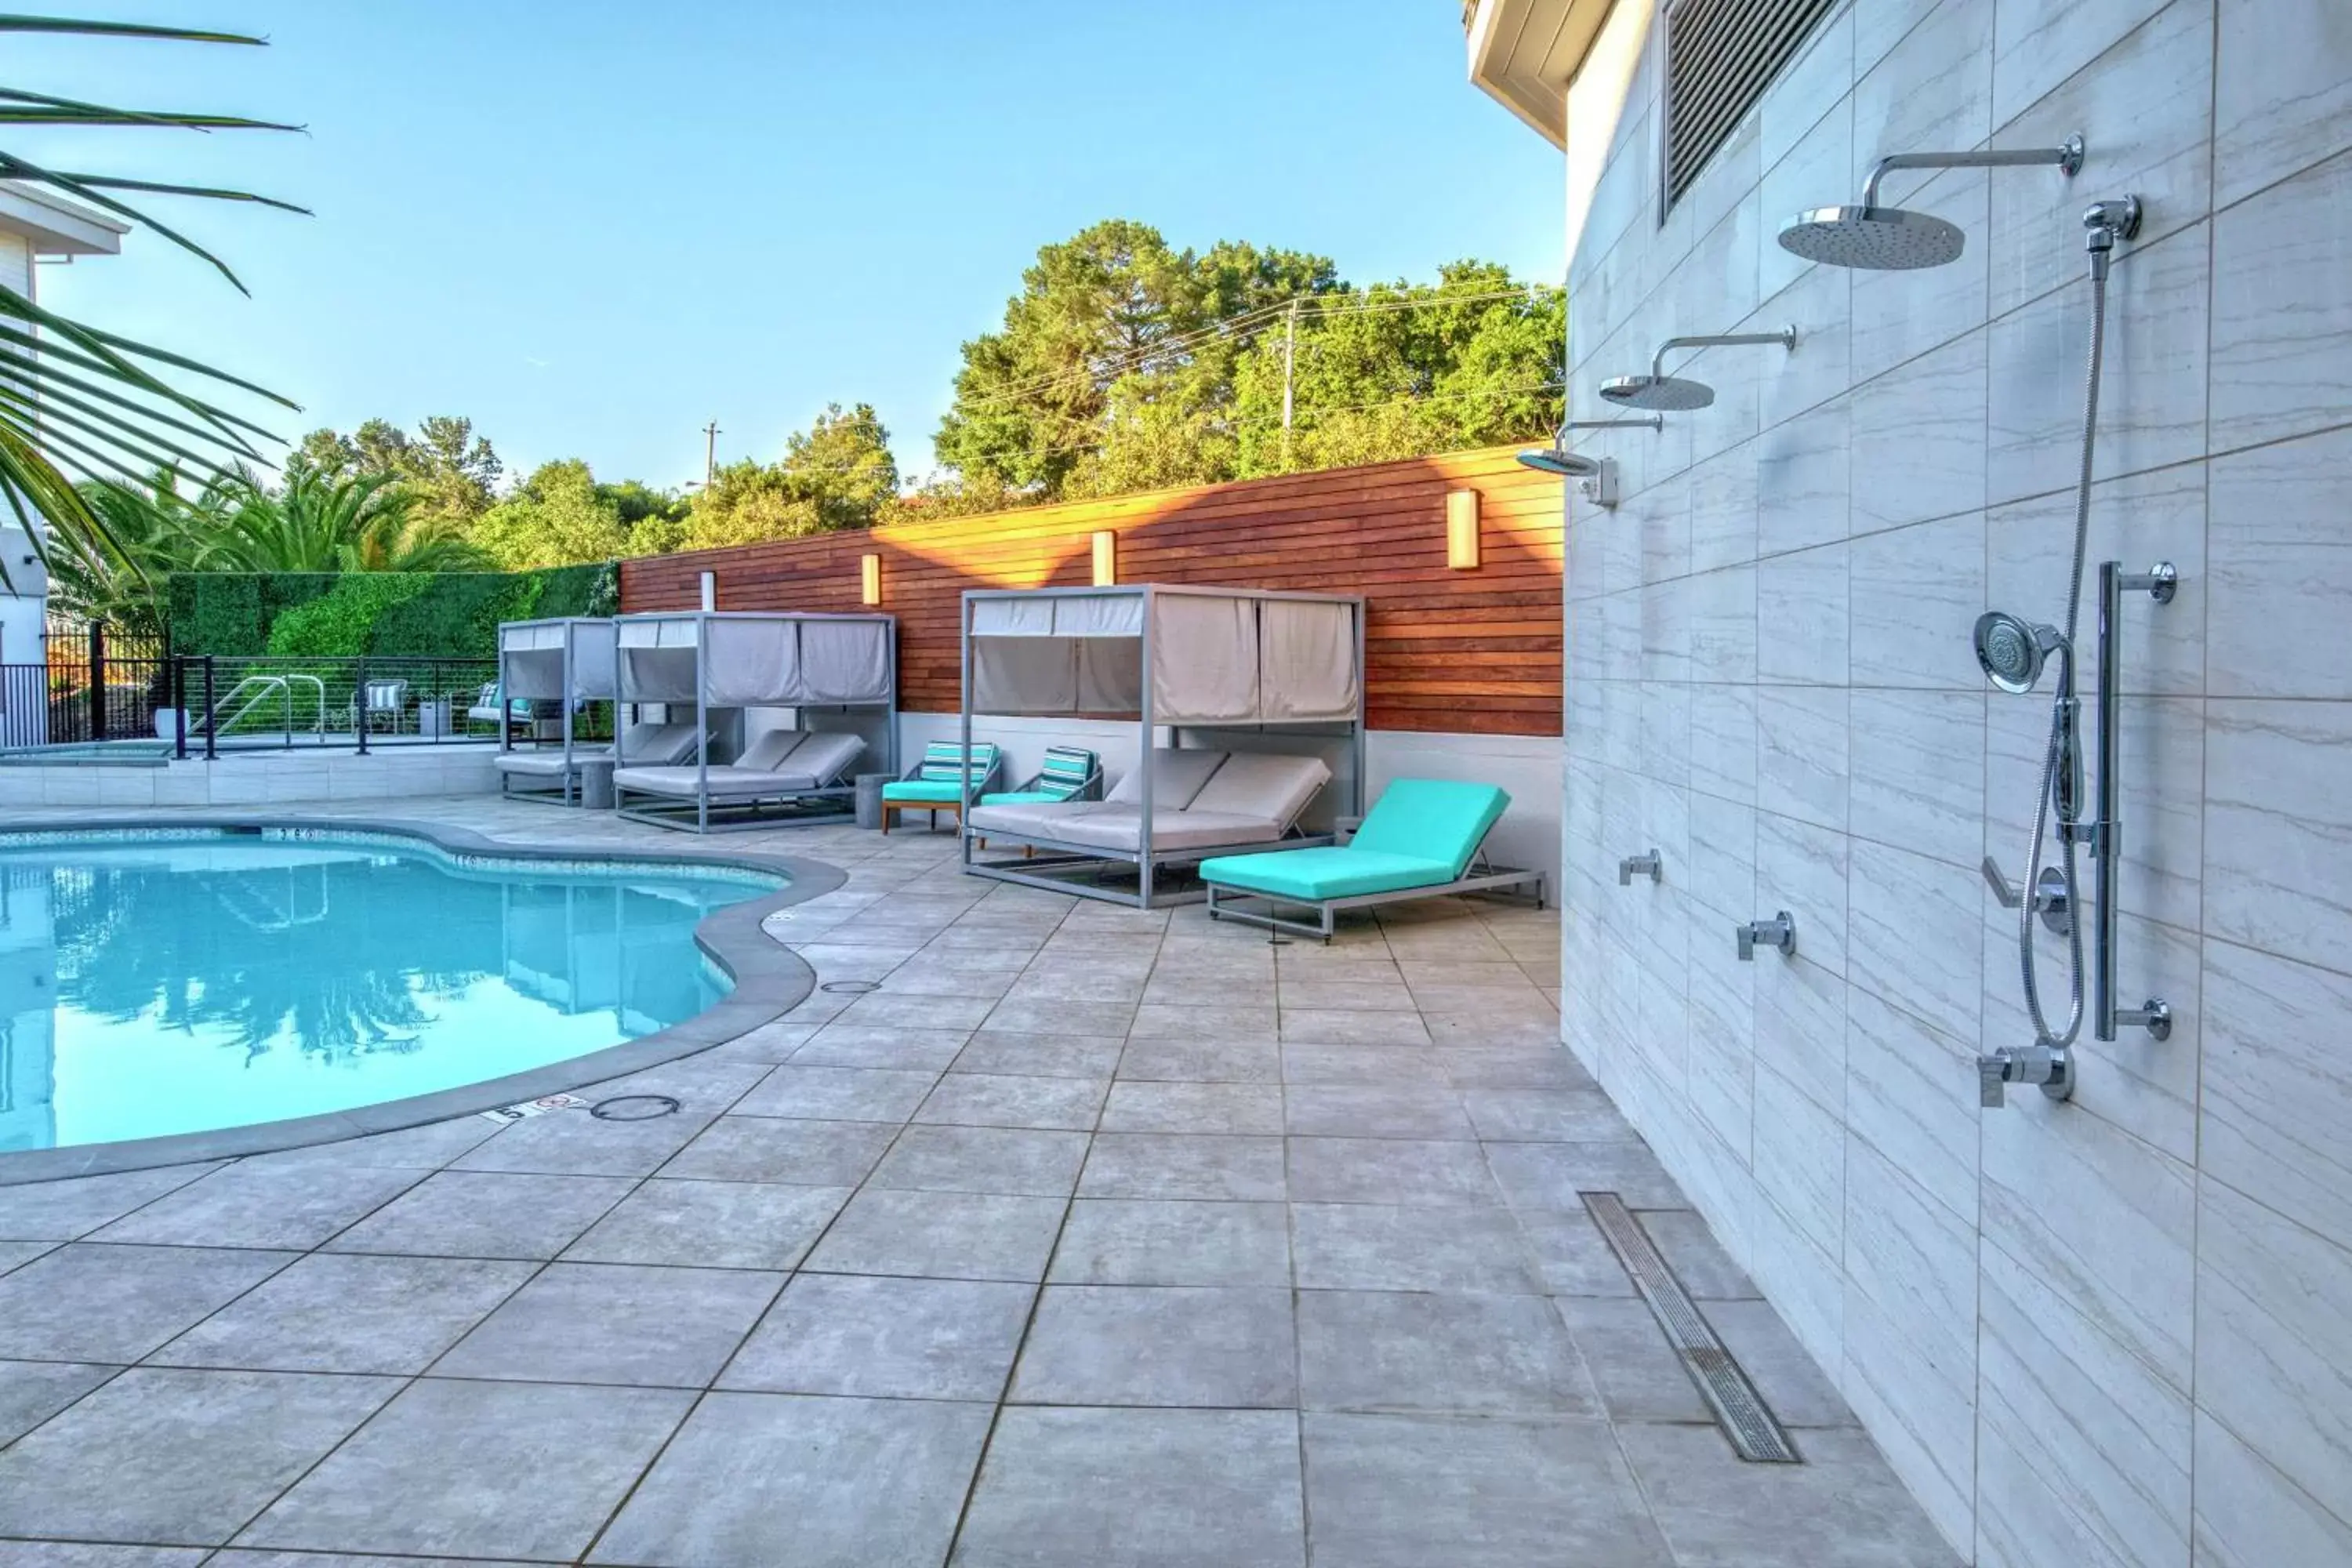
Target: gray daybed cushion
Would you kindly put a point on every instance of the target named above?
(1261, 785)
(1030, 818)
(1176, 775)
(809, 761)
(543, 765)
(1119, 827)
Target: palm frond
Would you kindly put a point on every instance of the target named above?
(11, 23)
(49, 109)
(18, 168)
(210, 192)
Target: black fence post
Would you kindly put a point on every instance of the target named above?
(180, 708)
(359, 703)
(212, 714)
(98, 680)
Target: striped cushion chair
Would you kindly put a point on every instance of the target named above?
(936, 783)
(1071, 772)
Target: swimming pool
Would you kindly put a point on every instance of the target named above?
(168, 982)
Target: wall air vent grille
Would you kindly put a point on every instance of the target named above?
(1720, 56)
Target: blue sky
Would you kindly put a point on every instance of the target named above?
(593, 225)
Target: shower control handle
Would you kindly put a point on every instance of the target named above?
(2052, 898)
(2051, 1066)
(1779, 932)
(1632, 865)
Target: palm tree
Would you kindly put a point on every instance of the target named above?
(74, 394)
(363, 522)
(150, 530)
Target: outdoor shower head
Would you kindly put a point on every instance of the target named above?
(1889, 240)
(2011, 652)
(1678, 394)
(1555, 459)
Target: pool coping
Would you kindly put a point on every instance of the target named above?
(769, 979)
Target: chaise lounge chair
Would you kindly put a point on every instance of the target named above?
(1421, 840)
(527, 776)
(937, 783)
(795, 769)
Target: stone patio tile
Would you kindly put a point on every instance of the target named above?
(1185, 1165)
(1042, 1056)
(776, 1478)
(1112, 981)
(842, 1044)
(62, 1211)
(1638, 1373)
(1546, 1116)
(712, 1224)
(1004, 1099)
(617, 1323)
(1550, 1175)
(101, 1302)
(178, 1457)
(837, 1094)
(238, 1558)
(1346, 1026)
(1110, 1241)
(917, 977)
(941, 1236)
(1470, 1355)
(1034, 1015)
(1083, 1489)
(573, 1143)
(774, 1148)
(85, 1554)
(1698, 1259)
(770, 1043)
(702, 1084)
(1487, 1052)
(426, 1147)
(1412, 1491)
(13, 1253)
(485, 1213)
(1375, 1110)
(1017, 1161)
(1505, 973)
(1421, 1174)
(1840, 1509)
(1367, 1247)
(1210, 987)
(845, 961)
(1783, 1372)
(510, 1469)
(1369, 992)
(884, 1338)
(1571, 1253)
(239, 1206)
(883, 1007)
(1201, 1061)
(33, 1391)
(1139, 1107)
(1361, 1064)
(1109, 1345)
(1203, 1021)
(351, 1313)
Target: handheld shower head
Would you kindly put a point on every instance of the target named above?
(2011, 652)
(1889, 240)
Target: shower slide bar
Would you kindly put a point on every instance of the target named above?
(2160, 584)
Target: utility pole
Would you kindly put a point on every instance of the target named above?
(709, 453)
(1289, 365)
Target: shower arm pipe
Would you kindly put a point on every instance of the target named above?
(2068, 157)
(1786, 337)
(1655, 421)
(2107, 847)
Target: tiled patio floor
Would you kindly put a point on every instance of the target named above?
(1087, 1238)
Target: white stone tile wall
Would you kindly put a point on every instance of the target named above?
(2115, 1332)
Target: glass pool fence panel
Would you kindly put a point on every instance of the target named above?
(222, 702)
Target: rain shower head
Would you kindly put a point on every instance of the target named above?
(1679, 393)
(1878, 239)
(2011, 652)
(1889, 240)
(1552, 460)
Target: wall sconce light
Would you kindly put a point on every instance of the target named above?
(1105, 558)
(709, 585)
(869, 580)
(1461, 531)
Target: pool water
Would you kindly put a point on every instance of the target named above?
(176, 983)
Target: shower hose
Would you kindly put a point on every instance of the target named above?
(2056, 757)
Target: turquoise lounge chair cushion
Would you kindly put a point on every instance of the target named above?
(1442, 820)
(1023, 797)
(925, 792)
(1422, 833)
(1310, 876)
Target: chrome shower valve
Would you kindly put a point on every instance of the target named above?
(2051, 1066)
(1650, 865)
(1779, 932)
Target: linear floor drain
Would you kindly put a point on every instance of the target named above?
(1739, 1410)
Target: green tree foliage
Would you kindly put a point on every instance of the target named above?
(117, 575)
(451, 473)
(1125, 365)
(837, 474)
(558, 517)
(314, 522)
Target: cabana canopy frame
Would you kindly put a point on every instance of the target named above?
(1178, 658)
(566, 661)
(723, 659)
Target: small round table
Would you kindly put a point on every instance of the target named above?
(596, 782)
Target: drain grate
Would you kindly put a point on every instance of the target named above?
(1739, 1409)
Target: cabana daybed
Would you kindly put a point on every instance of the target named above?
(1244, 700)
(567, 663)
(837, 674)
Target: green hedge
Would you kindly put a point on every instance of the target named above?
(323, 615)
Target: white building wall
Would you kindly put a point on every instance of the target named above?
(21, 601)
(2116, 1331)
